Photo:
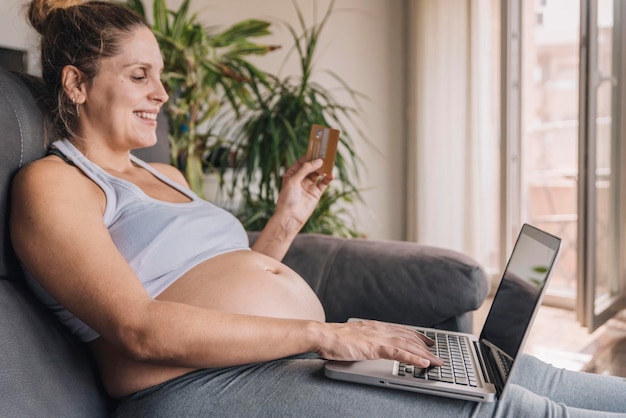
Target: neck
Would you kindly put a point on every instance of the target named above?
(103, 155)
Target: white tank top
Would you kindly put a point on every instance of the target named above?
(160, 240)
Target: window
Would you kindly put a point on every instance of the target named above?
(563, 135)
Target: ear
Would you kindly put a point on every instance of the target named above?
(72, 80)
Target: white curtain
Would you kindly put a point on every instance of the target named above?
(452, 144)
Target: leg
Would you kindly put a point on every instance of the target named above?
(575, 389)
(298, 387)
(285, 388)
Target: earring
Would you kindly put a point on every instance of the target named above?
(77, 106)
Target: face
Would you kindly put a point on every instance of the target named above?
(122, 101)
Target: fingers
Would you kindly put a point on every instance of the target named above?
(304, 169)
(419, 360)
(412, 348)
(429, 341)
(375, 340)
(309, 168)
(301, 169)
(324, 179)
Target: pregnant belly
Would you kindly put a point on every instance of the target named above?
(246, 282)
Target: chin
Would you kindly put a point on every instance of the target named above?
(145, 143)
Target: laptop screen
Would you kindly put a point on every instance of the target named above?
(520, 290)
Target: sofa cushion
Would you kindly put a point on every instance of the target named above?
(45, 371)
(22, 142)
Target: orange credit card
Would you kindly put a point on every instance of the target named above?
(323, 143)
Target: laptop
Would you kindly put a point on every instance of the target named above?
(476, 368)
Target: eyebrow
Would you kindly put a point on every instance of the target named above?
(139, 63)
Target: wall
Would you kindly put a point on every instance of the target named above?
(15, 32)
(363, 44)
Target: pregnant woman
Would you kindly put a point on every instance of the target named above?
(181, 315)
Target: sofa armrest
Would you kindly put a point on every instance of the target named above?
(392, 281)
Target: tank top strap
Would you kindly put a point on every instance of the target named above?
(55, 151)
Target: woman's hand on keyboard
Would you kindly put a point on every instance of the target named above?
(369, 340)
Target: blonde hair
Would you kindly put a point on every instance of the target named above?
(76, 33)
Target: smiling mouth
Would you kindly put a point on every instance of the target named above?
(146, 115)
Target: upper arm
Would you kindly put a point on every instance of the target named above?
(58, 233)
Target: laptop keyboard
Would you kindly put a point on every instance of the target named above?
(454, 351)
(505, 363)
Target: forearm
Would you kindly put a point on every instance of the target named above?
(301, 191)
(219, 339)
(216, 339)
(277, 236)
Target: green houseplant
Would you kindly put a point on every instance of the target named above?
(203, 72)
(275, 133)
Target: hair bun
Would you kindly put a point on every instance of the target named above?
(39, 10)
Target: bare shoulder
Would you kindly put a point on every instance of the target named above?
(171, 172)
(50, 173)
(46, 172)
(50, 184)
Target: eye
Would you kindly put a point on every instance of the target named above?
(138, 75)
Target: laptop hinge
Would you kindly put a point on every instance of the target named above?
(488, 364)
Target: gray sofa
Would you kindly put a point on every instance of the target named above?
(44, 371)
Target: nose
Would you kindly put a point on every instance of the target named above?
(159, 94)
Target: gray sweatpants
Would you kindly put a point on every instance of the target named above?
(297, 387)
